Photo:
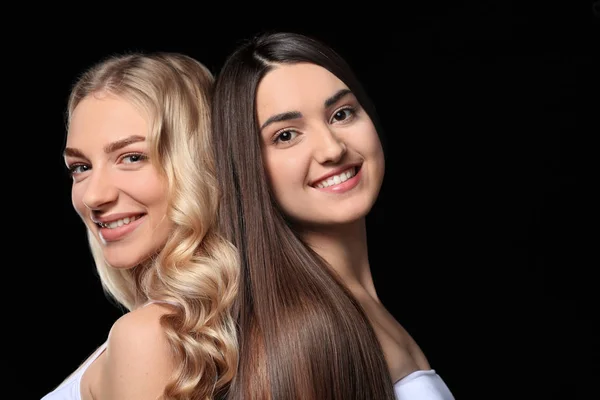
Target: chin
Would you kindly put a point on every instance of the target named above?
(130, 253)
(120, 264)
(123, 259)
(351, 214)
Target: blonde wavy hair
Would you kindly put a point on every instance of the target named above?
(197, 269)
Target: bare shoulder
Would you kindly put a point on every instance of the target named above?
(139, 328)
(138, 356)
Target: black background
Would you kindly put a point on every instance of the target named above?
(480, 242)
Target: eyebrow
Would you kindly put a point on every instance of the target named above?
(297, 114)
(109, 148)
(334, 99)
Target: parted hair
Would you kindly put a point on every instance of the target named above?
(302, 333)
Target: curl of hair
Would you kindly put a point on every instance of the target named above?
(197, 269)
(302, 333)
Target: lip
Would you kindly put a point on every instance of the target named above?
(106, 219)
(112, 235)
(336, 171)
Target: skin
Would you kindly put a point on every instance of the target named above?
(121, 183)
(300, 152)
(113, 179)
(313, 127)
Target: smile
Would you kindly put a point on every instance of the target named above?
(118, 223)
(336, 179)
(116, 230)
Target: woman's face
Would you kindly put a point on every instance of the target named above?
(321, 151)
(116, 191)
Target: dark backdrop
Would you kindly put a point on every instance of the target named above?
(479, 243)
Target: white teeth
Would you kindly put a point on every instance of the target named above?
(118, 223)
(336, 179)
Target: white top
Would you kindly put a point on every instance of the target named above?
(422, 385)
(70, 389)
(418, 385)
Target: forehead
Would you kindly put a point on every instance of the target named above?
(295, 86)
(104, 118)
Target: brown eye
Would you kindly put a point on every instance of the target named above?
(286, 136)
(342, 114)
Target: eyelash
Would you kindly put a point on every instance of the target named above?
(344, 108)
(73, 167)
(278, 134)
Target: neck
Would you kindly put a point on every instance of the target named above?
(344, 247)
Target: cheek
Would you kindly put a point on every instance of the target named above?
(368, 139)
(77, 200)
(151, 191)
(378, 150)
(376, 154)
(285, 169)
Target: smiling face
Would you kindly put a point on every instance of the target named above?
(321, 151)
(117, 192)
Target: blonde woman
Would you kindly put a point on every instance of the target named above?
(139, 150)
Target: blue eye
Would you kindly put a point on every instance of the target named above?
(133, 158)
(77, 169)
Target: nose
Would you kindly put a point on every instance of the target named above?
(99, 190)
(330, 148)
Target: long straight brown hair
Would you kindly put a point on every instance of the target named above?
(302, 333)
